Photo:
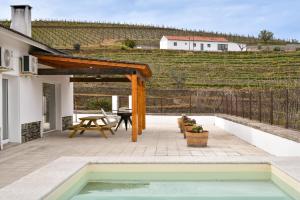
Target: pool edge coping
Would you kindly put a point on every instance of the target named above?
(40, 183)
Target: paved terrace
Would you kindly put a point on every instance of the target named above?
(161, 139)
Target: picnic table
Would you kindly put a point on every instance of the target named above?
(92, 124)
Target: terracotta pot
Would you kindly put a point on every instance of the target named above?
(197, 139)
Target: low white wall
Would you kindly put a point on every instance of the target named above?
(272, 144)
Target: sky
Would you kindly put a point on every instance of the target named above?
(244, 17)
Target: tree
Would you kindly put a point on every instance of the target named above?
(266, 35)
(242, 46)
(130, 43)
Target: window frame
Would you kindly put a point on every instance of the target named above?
(222, 47)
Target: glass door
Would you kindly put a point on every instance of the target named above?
(5, 128)
(49, 114)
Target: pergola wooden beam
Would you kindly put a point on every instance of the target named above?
(71, 62)
(85, 71)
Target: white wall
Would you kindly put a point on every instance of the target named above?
(1, 120)
(25, 92)
(19, 49)
(31, 93)
(188, 45)
(163, 43)
(270, 143)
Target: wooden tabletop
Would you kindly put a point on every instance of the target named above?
(92, 117)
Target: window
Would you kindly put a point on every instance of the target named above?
(208, 45)
(223, 47)
(194, 45)
(175, 44)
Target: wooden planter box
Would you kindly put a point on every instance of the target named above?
(180, 125)
(187, 128)
(197, 139)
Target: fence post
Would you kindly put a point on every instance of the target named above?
(236, 105)
(231, 104)
(271, 108)
(227, 111)
(259, 106)
(250, 105)
(161, 104)
(243, 113)
(287, 109)
(190, 103)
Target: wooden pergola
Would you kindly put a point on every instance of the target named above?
(136, 73)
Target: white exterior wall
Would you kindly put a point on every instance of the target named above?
(188, 45)
(25, 93)
(270, 143)
(31, 92)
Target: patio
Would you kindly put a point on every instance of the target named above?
(158, 140)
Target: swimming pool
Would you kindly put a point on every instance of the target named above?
(178, 181)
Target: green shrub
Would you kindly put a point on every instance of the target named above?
(130, 43)
(96, 104)
(76, 47)
(276, 49)
(124, 47)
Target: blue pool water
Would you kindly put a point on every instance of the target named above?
(185, 190)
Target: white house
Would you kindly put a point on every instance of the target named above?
(29, 104)
(36, 89)
(200, 43)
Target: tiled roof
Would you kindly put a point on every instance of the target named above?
(197, 38)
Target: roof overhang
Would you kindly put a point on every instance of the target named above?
(70, 65)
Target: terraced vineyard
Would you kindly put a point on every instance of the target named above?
(64, 34)
(178, 69)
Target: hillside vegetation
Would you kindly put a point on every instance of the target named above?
(179, 69)
(175, 69)
(64, 34)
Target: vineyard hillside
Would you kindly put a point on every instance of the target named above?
(64, 34)
(179, 69)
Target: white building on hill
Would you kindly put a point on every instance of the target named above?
(200, 43)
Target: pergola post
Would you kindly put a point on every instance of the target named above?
(143, 106)
(140, 107)
(134, 93)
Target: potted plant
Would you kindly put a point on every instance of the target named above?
(181, 121)
(188, 125)
(197, 137)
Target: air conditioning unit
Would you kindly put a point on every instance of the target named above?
(6, 59)
(30, 65)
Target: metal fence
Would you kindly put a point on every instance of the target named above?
(278, 107)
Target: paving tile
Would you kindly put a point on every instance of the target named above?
(158, 141)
